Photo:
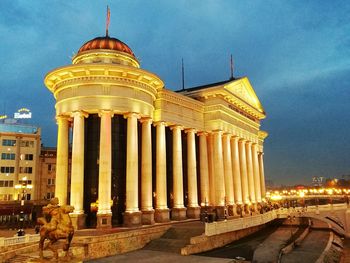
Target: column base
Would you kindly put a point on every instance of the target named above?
(193, 212)
(220, 212)
(232, 210)
(78, 221)
(132, 219)
(240, 210)
(104, 221)
(178, 214)
(147, 217)
(161, 215)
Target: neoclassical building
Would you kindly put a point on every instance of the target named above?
(142, 153)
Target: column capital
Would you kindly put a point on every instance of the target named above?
(216, 132)
(63, 117)
(235, 138)
(226, 134)
(104, 112)
(202, 133)
(176, 126)
(248, 143)
(146, 119)
(188, 130)
(158, 123)
(132, 114)
(79, 114)
(242, 140)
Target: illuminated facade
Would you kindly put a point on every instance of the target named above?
(19, 150)
(142, 153)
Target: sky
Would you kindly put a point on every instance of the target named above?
(296, 55)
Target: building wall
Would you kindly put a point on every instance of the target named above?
(22, 168)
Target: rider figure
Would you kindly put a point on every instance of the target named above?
(52, 210)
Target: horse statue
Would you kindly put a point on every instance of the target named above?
(55, 225)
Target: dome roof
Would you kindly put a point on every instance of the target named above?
(106, 42)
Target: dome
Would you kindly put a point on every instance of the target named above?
(106, 42)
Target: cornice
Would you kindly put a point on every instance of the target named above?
(54, 78)
(181, 100)
(104, 80)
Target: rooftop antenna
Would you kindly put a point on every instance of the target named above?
(183, 74)
(231, 65)
(108, 19)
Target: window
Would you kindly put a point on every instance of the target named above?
(27, 144)
(7, 169)
(50, 181)
(7, 156)
(25, 170)
(28, 196)
(49, 196)
(5, 197)
(49, 167)
(24, 182)
(6, 183)
(8, 142)
(27, 157)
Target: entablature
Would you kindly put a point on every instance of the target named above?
(105, 73)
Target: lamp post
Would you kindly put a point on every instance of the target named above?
(23, 186)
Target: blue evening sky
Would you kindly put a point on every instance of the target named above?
(295, 53)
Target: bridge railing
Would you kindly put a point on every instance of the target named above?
(225, 226)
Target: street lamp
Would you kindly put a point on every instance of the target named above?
(23, 185)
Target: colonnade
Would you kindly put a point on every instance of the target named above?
(231, 170)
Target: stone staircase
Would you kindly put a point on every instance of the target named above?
(177, 237)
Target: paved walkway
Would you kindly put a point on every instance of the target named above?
(269, 250)
(148, 256)
(310, 248)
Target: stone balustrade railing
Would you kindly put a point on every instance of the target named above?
(9, 241)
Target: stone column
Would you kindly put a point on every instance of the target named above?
(62, 159)
(236, 171)
(229, 197)
(256, 173)
(243, 170)
(132, 215)
(146, 173)
(210, 144)
(162, 211)
(248, 148)
(104, 213)
(193, 209)
(178, 212)
(219, 174)
(262, 175)
(203, 163)
(77, 177)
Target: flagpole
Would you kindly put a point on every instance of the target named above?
(108, 19)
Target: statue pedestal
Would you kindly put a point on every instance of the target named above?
(104, 221)
(132, 219)
(193, 212)
(161, 215)
(78, 221)
(178, 214)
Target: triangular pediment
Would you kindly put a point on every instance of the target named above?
(242, 89)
